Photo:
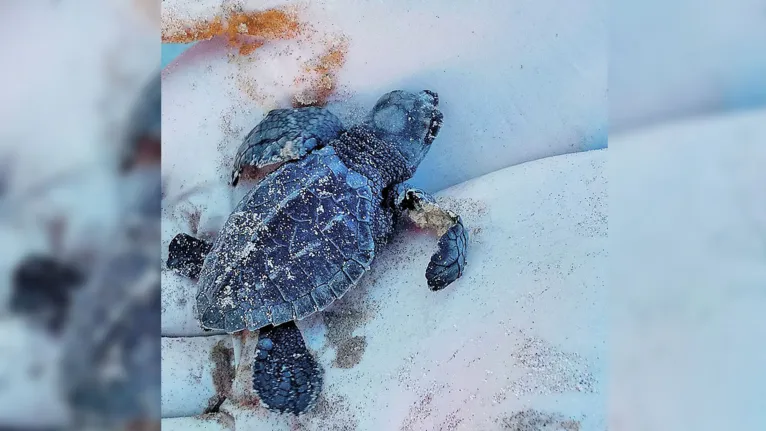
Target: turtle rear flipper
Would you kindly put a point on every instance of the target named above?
(284, 135)
(286, 376)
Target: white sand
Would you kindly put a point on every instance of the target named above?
(188, 363)
(512, 90)
(688, 270)
(29, 375)
(518, 81)
(524, 328)
(72, 72)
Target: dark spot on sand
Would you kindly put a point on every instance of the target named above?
(330, 413)
(419, 412)
(451, 422)
(223, 375)
(341, 324)
(535, 420)
(350, 352)
(221, 417)
(193, 217)
(253, 175)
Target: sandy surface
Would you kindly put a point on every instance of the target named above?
(523, 329)
(539, 92)
(687, 270)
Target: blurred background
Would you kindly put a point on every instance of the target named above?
(79, 217)
(687, 219)
(687, 147)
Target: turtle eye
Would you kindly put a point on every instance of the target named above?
(391, 119)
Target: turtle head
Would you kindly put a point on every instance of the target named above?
(410, 121)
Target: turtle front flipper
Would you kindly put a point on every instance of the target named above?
(186, 254)
(286, 376)
(448, 263)
(283, 135)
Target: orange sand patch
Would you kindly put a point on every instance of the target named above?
(270, 24)
(321, 74)
(198, 31)
(248, 31)
(247, 48)
(239, 27)
(318, 78)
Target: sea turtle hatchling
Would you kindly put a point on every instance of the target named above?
(307, 232)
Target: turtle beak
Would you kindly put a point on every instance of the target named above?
(436, 116)
(434, 97)
(435, 126)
